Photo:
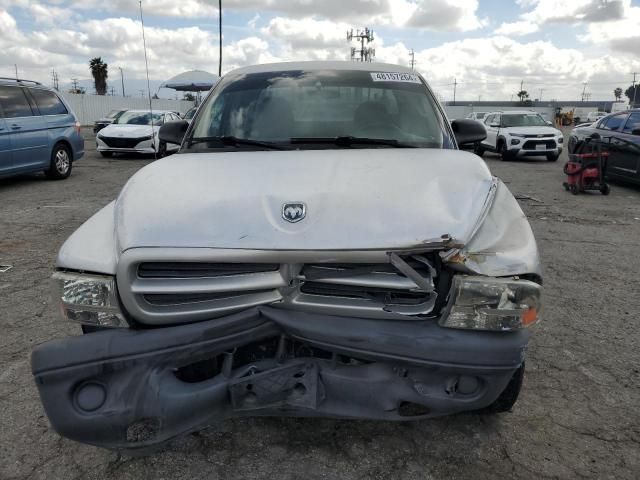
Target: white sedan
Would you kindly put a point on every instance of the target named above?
(136, 131)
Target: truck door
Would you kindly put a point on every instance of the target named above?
(6, 162)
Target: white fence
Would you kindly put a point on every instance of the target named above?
(90, 108)
(461, 111)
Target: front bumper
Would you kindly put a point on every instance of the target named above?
(126, 389)
(145, 146)
(523, 152)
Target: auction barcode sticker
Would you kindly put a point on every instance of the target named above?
(395, 77)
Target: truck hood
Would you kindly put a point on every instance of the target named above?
(355, 199)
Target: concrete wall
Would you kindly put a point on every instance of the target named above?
(90, 108)
(461, 111)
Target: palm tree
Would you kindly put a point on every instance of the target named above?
(617, 93)
(523, 95)
(100, 75)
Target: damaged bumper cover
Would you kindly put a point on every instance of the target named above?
(131, 389)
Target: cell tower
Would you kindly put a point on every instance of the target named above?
(364, 53)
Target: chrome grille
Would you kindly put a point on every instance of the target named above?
(164, 290)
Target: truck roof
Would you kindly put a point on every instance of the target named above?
(323, 65)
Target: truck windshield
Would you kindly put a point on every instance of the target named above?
(523, 120)
(320, 109)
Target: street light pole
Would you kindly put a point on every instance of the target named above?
(122, 79)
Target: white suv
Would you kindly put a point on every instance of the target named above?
(519, 134)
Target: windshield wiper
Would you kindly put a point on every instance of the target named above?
(347, 141)
(230, 140)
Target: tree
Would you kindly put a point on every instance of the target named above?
(100, 75)
(617, 93)
(523, 95)
(189, 96)
(633, 94)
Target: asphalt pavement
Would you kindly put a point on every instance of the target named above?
(578, 415)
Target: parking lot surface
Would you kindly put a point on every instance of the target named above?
(578, 415)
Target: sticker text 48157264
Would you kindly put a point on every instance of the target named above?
(395, 77)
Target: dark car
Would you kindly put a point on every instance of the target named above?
(38, 130)
(620, 134)
(107, 120)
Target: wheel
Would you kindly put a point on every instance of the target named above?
(552, 157)
(106, 154)
(509, 396)
(60, 165)
(478, 150)
(504, 152)
(573, 188)
(605, 189)
(162, 150)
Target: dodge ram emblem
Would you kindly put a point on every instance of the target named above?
(294, 212)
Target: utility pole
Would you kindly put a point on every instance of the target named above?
(122, 79)
(540, 96)
(16, 65)
(455, 84)
(584, 87)
(633, 100)
(521, 84)
(220, 35)
(54, 79)
(367, 54)
(413, 59)
(75, 85)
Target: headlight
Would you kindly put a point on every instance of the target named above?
(487, 303)
(519, 135)
(560, 139)
(144, 139)
(87, 299)
(515, 141)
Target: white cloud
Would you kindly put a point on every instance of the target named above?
(307, 33)
(574, 11)
(517, 28)
(622, 35)
(446, 15)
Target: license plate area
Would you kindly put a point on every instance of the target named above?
(541, 146)
(295, 385)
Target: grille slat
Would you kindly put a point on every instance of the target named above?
(117, 142)
(171, 291)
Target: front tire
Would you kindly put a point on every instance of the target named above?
(509, 396)
(505, 153)
(60, 164)
(478, 150)
(162, 150)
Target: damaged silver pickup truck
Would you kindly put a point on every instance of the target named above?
(318, 247)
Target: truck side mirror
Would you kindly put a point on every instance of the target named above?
(173, 132)
(468, 131)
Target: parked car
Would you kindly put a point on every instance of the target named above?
(106, 120)
(516, 134)
(620, 137)
(595, 116)
(332, 253)
(38, 130)
(136, 131)
(477, 116)
(190, 113)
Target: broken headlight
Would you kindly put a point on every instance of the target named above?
(87, 299)
(488, 303)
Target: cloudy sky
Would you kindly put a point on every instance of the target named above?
(487, 46)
